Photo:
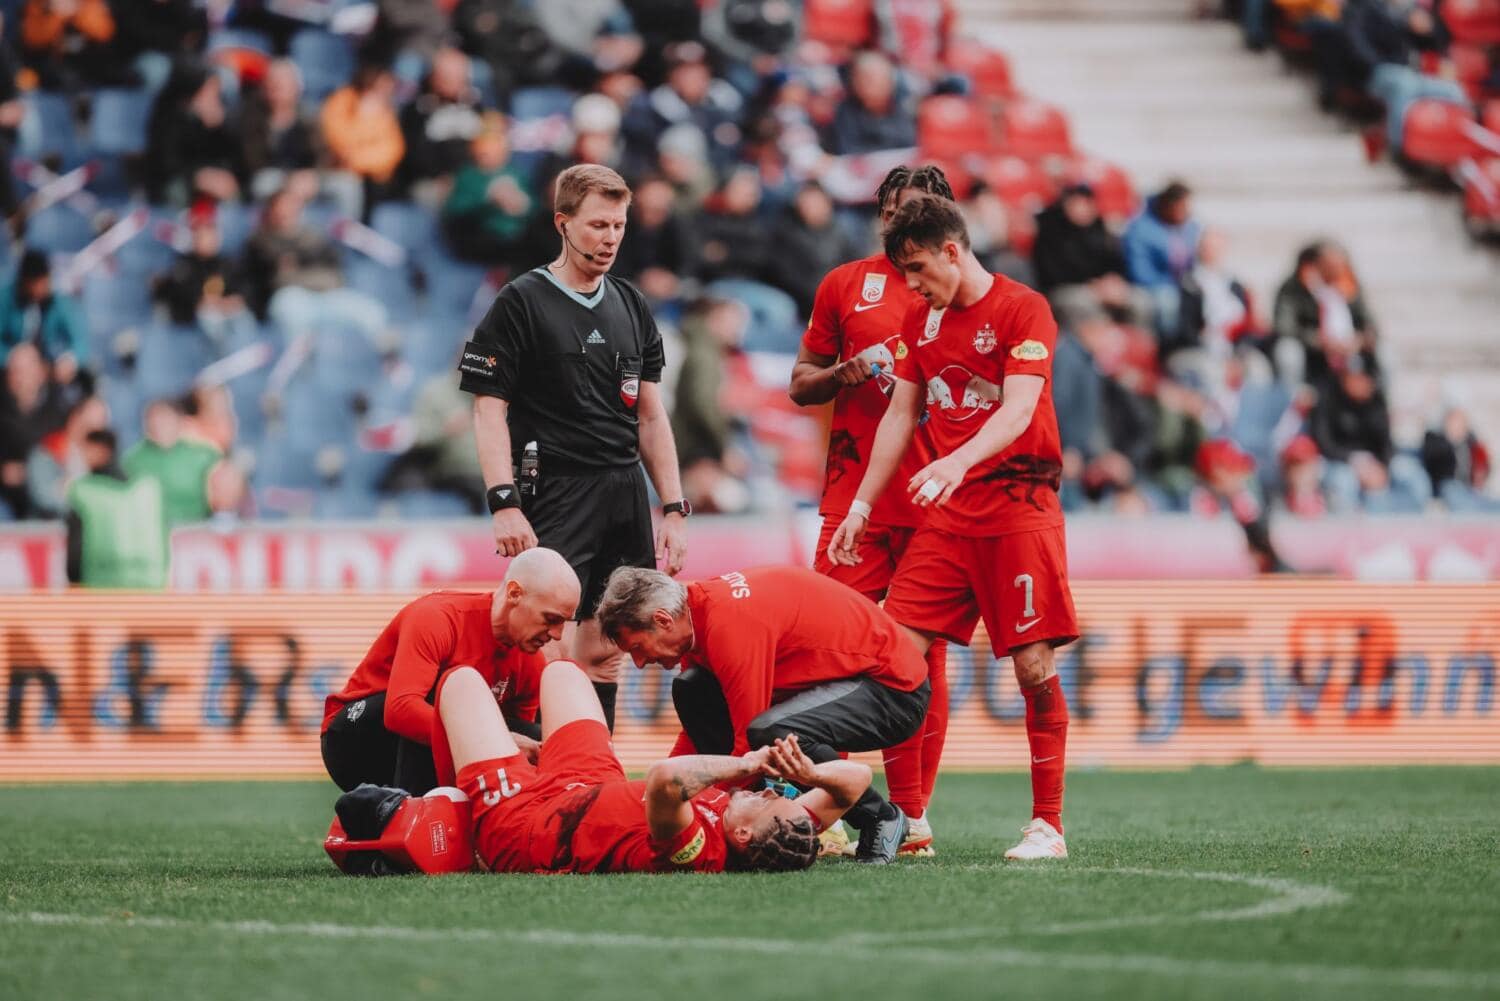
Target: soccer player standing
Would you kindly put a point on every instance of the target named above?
(848, 355)
(992, 545)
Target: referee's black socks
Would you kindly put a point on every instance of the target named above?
(607, 690)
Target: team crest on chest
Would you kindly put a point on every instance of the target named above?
(984, 340)
(930, 331)
(874, 288)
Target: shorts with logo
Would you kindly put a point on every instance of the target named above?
(516, 804)
(1018, 584)
(880, 550)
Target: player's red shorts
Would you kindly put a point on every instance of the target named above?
(880, 548)
(1017, 583)
(514, 801)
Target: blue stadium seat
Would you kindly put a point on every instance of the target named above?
(432, 343)
(775, 325)
(118, 126)
(313, 416)
(236, 223)
(59, 229)
(144, 256)
(346, 502)
(531, 103)
(125, 408)
(411, 226)
(48, 131)
(326, 61)
(239, 38)
(170, 359)
(417, 505)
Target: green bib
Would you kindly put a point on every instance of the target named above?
(124, 535)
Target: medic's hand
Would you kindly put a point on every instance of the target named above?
(513, 534)
(843, 550)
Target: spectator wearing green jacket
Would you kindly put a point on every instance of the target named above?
(32, 311)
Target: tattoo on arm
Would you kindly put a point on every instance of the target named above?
(695, 773)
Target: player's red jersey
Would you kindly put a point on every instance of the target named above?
(768, 632)
(437, 631)
(576, 812)
(858, 311)
(962, 357)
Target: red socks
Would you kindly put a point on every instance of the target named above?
(1047, 733)
(935, 730)
(911, 766)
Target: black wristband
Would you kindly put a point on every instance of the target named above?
(501, 497)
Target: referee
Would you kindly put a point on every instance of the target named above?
(569, 358)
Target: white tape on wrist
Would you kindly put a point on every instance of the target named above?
(931, 489)
(860, 508)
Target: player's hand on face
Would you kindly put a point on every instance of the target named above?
(843, 548)
(791, 763)
(853, 372)
(935, 482)
(671, 543)
(513, 534)
(758, 761)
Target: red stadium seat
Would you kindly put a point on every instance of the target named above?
(951, 127)
(1481, 183)
(1474, 22)
(1491, 116)
(1113, 189)
(986, 68)
(1437, 134)
(1471, 66)
(960, 179)
(1021, 184)
(842, 25)
(1035, 130)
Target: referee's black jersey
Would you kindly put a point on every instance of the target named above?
(570, 366)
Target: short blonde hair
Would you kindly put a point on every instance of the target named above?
(580, 180)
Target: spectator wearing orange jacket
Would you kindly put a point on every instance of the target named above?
(66, 42)
(362, 132)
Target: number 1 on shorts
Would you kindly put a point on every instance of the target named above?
(1024, 580)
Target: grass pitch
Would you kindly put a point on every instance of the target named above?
(1234, 882)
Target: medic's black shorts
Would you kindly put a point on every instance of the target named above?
(598, 520)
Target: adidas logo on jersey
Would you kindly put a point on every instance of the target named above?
(595, 338)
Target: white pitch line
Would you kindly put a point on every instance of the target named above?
(1290, 896)
(1304, 973)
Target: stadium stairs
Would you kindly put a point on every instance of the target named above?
(1165, 92)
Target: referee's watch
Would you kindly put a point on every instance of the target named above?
(681, 507)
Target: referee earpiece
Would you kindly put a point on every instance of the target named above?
(585, 256)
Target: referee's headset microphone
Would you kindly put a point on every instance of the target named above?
(586, 256)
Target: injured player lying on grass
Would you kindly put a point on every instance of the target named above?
(574, 810)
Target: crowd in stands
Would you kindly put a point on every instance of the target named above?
(1424, 75)
(292, 212)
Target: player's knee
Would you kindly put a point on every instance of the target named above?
(1033, 664)
(562, 672)
(464, 680)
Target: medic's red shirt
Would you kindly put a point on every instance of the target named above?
(962, 357)
(768, 632)
(858, 311)
(437, 631)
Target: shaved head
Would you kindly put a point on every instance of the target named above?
(539, 594)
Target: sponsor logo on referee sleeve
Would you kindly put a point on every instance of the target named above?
(1029, 351)
(475, 360)
(691, 850)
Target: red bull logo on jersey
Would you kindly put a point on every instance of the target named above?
(984, 339)
(959, 394)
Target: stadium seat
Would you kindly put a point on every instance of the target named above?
(1473, 22)
(960, 178)
(1481, 193)
(842, 25)
(169, 359)
(1035, 130)
(1113, 190)
(775, 325)
(531, 103)
(954, 127)
(1020, 184)
(412, 226)
(1490, 118)
(236, 223)
(1471, 67)
(111, 303)
(47, 131)
(59, 229)
(118, 124)
(1436, 134)
(325, 60)
(125, 408)
(418, 505)
(987, 69)
(240, 38)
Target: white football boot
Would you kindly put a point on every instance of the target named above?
(1039, 840)
(918, 841)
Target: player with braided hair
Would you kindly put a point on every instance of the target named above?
(573, 810)
(849, 356)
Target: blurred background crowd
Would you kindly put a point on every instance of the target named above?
(249, 238)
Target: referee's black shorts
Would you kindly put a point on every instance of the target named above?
(598, 520)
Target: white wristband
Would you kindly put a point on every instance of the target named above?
(860, 508)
